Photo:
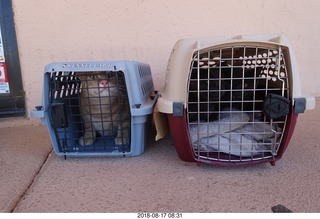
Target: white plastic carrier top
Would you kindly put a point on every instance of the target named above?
(181, 57)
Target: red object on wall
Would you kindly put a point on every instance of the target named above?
(3, 73)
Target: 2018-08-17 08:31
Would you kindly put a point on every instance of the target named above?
(159, 215)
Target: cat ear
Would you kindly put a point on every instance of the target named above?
(81, 75)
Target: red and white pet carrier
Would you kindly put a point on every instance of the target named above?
(232, 101)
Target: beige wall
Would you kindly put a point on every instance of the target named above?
(146, 30)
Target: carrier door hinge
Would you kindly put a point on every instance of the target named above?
(299, 105)
(177, 109)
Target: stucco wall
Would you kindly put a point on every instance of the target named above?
(146, 30)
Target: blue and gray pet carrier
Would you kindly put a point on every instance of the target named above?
(63, 105)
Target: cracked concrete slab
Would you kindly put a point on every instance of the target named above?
(24, 146)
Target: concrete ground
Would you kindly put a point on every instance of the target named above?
(34, 179)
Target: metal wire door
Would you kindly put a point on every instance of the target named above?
(237, 102)
(74, 115)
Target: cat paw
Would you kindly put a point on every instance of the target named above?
(85, 141)
(121, 140)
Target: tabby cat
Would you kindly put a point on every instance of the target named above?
(104, 107)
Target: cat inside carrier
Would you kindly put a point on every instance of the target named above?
(97, 108)
(238, 102)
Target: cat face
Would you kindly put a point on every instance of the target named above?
(100, 85)
(210, 85)
(104, 106)
(219, 88)
(240, 85)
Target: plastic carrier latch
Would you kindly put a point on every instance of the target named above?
(276, 106)
(59, 119)
(177, 108)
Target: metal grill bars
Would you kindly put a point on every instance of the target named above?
(227, 88)
(94, 104)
